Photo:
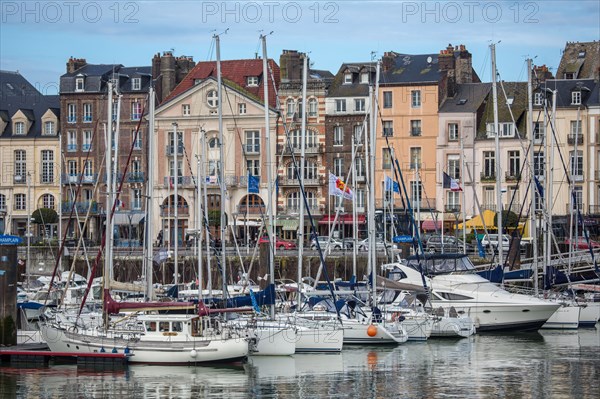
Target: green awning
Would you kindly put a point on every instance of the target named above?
(288, 224)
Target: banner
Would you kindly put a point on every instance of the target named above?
(338, 188)
(253, 184)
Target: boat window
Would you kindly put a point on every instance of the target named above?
(176, 326)
(454, 297)
(163, 326)
(150, 326)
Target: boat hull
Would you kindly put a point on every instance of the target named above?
(565, 318)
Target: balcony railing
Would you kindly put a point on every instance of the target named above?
(512, 176)
(182, 181)
(20, 179)
(486, 176)
(309, 149)
(81, 207)
(295, 210)
(86, 147)
(578, 176)
(594, 210)
(74, 178)
(182, 210)
(574, 207)
(135, 177)
(252, 209)
(170, 150)
(71, 147)
(571, 138)
(288, 181)
(89, 178)
(452, 208)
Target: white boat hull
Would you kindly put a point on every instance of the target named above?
(272, 341)
(565, 318)
(452, 327)
(589, 314)
(356, 332)
(319, 339)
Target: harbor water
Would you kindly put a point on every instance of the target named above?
(546, 364)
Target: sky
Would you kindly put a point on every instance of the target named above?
(38, 37)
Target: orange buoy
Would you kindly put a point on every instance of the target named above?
(371, 331)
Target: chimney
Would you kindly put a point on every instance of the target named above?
(464, 66)
(290, 64)
(541, 73)
(75, 63)
(388, 61)
(446, 59)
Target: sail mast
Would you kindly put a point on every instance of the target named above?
(149, 198)
(498, 168)
(301, 174)
(221, 164)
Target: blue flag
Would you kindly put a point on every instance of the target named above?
(389, 183)
(253, 184)
(540, 188)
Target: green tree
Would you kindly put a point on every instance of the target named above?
(510, 220)
(44, 216)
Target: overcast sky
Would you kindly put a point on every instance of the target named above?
(38, 37)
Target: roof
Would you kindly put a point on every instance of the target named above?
(565, 87)
(515, 92)
(96, 76)
(235, 71)
(468, 98)
(340, 89)
(407, 68)
(580, 59)
(18, 94)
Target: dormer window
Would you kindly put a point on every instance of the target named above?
(136, 84)
(212, 99)
(569, 75)
(538, 99)
(252, 81)
(347, 78)
(49, 128)
(364, 77)
(576, 97)
(510, 100)
(79, 83)
(19, 128)
(581, 54)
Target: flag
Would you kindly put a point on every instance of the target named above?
(389, 183)
(540, 188)
(253, 184)
(451, 183)
(161, 256)
(338, 188)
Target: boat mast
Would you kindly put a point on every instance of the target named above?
(221, 163)
(301, 174)
(176, 208)
(149, 198)
(199, 213)
(532, 212)
(371, 223)
(550, 191)
(269, 165)
(108, 167)
(498, 168)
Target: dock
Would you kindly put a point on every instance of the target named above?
(20, 357)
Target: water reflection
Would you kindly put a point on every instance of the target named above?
(553, 364)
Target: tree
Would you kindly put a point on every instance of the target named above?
(510, 220)
(44, 216)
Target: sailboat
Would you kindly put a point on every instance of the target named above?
(148, 337)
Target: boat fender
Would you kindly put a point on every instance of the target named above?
(114, 350)
(371, 330)
(127, 350)
(193, 353)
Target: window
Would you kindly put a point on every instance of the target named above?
(340, 105)
(172, 169)
(87, 140)
(360, 198)
(136, 199)
(137, 141)
(136, 111)
(72, 169)
(79, 84)
(19, 128)
(387, 99)
(454, 166)
(71, 141)
(47, 166)
(87, 195)
(48, 201)
(312, 107)
(185, 109)
(212, 98)
(242, 108)
(359, 105)
(87, 112)
(338, 167)
(569, 75)
(136, 168)
(179, 143)
(578, 198)
(507, 129)
(489, 198)
(415, 98)
(20, 166)
(539, 131)
(20, 202)
(252, 141)
(364, 77)
(49, 128)
(538, 98)
(88, 171)
(576, 164)
(2, 202)
(514, 164)
(290, 107)
(538, 163)
(293, 200)
(415, 157)
(214, 167)
(415, 127)
(136, 84)
(213, 142)
(576, 97)
(358, 134)
(71, 113)
(388, 128)
(115, 110)
(338, 135)
(416, 192)
(252, 80)
(452, 131)
(386, 158)
(359, 166)
(253, 167)
(295, 139)
(300, 107)
(575, 128)
(348, 78)
(489, 164)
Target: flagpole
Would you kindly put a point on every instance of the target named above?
(247, 210)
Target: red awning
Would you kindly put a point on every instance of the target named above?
(343, 219)
(431, 225)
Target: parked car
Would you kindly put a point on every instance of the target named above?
(581, 243)
(279, 243)
(333, 244)
(380, 245)
(450, 244)
(490, 241)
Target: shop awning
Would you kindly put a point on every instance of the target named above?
(431, 225)
(288, 224)
(128, 218)
(477, 222)
(343, 219)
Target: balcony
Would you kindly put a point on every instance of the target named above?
(594, 210)
(20, 179)
(89, 178)
(182, 210)
(170, 150)
(573, 138)
(81, 207)
(75, 178)
(578, 177)
(488, 176)
(287, 181)
(135, 177)
(71, 147)
(182, 181)
(574, 207)
(452, 208)
(515, 207)
(295, 210)
(252, 209)
(86, 147)
(512, 176)
(310, 149)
